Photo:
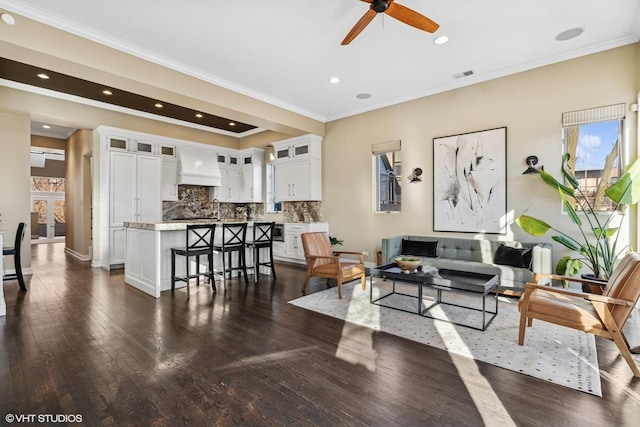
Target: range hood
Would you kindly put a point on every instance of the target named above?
(198, 167)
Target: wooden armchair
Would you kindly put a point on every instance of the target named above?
(322, 261)
(603, 315)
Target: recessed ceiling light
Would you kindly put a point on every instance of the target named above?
(46, 126)
(232, 123)
(363, 96)
(107, 92)
(43, 76)
(7, 19)
(198, 115)
(569, 34)
(158, 105)
(441, 40)
(334, 80)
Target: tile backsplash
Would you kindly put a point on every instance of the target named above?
(193, 202)
(301, 211)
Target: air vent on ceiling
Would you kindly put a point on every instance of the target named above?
(463, 74)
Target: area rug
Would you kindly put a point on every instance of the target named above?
(553, 353)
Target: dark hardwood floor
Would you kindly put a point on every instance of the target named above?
(82, 342)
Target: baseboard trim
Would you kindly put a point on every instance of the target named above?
(77, 255)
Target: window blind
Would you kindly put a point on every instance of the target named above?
(385, 147)
(594, 115)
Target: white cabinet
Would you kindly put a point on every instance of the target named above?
(298, 180)
(252, 164)
(117, 244)
(242, 176)
(148, 189)
(169, 180)
(122, 187)
(134, 196)
(134, 188)
(229, 190)
(292, 248)
(306, 146)
(298, 169)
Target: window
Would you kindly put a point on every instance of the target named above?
(387, 174)
(593, 138)
(272, 205)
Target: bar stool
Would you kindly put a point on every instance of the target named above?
(262, 238)
(17, 262)
(234, 237)
(199, 241)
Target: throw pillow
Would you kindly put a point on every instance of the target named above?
(514, 257)
(419, 248)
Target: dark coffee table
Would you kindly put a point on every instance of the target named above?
(441, 280)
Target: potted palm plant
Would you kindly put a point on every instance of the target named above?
(597, 239)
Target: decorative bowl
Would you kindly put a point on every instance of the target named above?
(408, 264)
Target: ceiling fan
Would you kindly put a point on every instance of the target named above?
(395, 10)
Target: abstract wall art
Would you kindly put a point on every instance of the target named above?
(470, 182)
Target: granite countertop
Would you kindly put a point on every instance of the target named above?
(179, 224)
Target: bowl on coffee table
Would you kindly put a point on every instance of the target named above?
(408, 264)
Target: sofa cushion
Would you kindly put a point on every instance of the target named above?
(422, 248)
(515, 257)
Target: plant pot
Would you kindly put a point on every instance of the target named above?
(593, 289)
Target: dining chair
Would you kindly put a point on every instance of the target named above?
(17, 261)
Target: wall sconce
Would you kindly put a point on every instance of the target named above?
(415, 175)
(531, 162)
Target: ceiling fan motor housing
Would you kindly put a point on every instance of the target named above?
(380, 5)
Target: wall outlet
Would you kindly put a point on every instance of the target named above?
(365, 253)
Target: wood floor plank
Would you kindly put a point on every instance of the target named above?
(82, 341)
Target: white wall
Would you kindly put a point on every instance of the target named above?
(529, 104)
(15, 167)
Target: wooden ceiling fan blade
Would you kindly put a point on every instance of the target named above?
(411, 17)
(357, 29)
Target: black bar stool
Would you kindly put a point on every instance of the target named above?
(262, 238)
(15, 251)
(199, 241)
(234, 237)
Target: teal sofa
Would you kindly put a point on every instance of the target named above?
(476, 255)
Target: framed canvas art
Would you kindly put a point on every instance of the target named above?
(470, 182)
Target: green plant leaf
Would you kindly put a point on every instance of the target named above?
(627, 189)
(568, 266)
(533, 226)
(567, 173)
(551, 181)
(568, 243)
(571, 212)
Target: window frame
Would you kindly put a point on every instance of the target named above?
(392, 152)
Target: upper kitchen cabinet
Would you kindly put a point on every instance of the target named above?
(253, 182)
(298, 168)
(242, 176)
(298, 148)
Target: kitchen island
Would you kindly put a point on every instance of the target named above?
(148, 253)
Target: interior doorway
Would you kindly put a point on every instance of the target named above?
(48, 218)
